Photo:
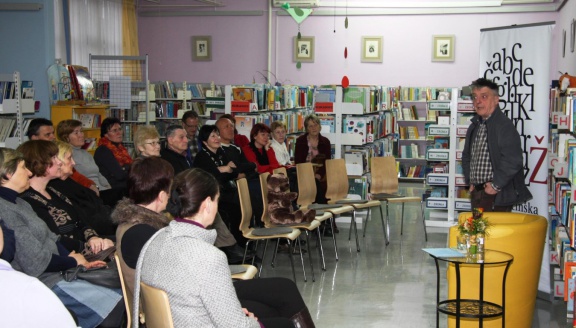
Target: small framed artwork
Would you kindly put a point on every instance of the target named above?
(443, 48)
(304, 49)
(371, 49)
(202, 48)
(443, 120)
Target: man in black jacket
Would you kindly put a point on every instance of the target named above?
(176, 150)
(492, 157)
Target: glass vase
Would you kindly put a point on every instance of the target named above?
(472, 245)
(461, 243)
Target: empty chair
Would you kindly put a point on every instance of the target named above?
(243, 271)
(337, 193)
(266, 234)
(384, 188)
(307, 196)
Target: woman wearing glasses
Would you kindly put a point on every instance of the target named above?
(147, 141)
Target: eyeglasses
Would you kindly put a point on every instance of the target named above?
(153, 143)
(115, 130)
(191, 126)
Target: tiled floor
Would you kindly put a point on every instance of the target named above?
(393, 286)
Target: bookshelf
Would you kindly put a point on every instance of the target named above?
(412, 119)
(445, 194)
(12, 106)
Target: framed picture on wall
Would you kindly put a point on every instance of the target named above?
(443, 48)
(304, 49)
(202, 48)
(371, 49)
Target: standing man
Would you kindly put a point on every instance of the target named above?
(176, 151)
(492, 158)
(190, 123)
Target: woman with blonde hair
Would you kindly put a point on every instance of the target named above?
(147, 141)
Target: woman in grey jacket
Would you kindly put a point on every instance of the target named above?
(39, 254)
(181, 260)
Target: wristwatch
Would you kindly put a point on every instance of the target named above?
(495, 187)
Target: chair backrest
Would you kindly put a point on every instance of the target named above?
(127, 298)
(156, 306)
(280, 170)
(384, 175)
(264, 187)
(337, 179)
(245, 205)
(306, 184)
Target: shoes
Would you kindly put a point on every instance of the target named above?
(235, 254)
(284, 249)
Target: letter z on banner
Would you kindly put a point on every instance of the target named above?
(517, 58)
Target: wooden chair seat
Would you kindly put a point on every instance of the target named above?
(249, 272)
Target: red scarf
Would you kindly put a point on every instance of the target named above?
(120, 152)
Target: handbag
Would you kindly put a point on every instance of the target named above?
(106, 276)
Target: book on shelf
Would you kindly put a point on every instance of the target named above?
(243, 94)
(441, 143)
(89, 144)
(327, 124)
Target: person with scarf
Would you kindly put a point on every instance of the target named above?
(111, 156)
(259, 149)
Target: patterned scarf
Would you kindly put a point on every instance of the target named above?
(120, 152)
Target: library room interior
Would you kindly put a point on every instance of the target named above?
(288, 163)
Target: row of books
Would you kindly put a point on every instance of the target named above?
(90, 121)
(8, 90)
(358, 157)
(271, 97)
(294, 121)
(408, 132)
(413, 171)
(410, 151)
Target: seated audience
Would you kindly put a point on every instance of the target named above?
(213, 160)
(90, 207)
(246, 169)
(197, 278)
(176, 151)
(43, 129)
(55, 209)
(111, 156)
(70, 131)
(30, 303)
(190, 123)
(313, 147)
(259, 150)
(147, 141)
(40, 254)
(278, 143)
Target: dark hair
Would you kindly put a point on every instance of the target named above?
(205, 132)
(38, 155)
(482, 82)
(171, 129)
(149, 176)
(9, 160)
(190, 189)
(35, 125)
(66, 127)
(189, 114)
(257, 128)
(107, 124)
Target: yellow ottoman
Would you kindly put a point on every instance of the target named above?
(523, 236)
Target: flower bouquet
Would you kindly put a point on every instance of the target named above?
(474, 229)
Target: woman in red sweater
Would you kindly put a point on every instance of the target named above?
(259, 150)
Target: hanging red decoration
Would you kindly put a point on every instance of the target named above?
(345, 52)
(345, 82)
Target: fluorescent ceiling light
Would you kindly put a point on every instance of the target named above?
(417, 4)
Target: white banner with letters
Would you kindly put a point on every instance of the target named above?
(517, 58)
